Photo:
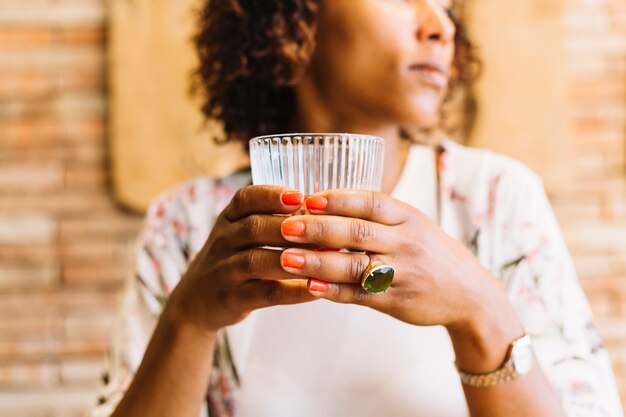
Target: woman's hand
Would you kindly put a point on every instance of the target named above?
(233, 275)
(437, 279)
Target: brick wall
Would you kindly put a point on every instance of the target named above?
(592, 206)
(64, 245)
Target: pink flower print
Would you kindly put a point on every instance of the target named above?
(579, 388)
(493, 193)
(458, 197)
(179, 227)
(160, 211)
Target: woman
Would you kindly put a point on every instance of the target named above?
(480, 265)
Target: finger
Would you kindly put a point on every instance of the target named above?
(338, 232)
(367, 205)
(262, 199)
(254, 231)
(260, 294)
(257, 263)
(328, 266)
(346, 293)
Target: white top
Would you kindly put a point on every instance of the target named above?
(335, 360)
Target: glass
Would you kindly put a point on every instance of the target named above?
(314, 162)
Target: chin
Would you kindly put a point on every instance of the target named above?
(423, 114)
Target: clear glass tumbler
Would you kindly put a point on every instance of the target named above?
(314, 162)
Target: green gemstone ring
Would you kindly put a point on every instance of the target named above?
(377, 277)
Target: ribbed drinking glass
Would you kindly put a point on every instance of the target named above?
(314, 162)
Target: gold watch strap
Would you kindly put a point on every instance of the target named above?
(506, 372)
(488, 379)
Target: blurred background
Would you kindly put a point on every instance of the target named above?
(95, 120)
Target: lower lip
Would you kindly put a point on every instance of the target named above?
(433, 77)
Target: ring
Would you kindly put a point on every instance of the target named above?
(377, 277)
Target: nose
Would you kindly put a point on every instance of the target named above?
(434, 23)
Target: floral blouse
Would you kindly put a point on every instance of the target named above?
(494, 205)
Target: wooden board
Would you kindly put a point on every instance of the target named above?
(157, 138)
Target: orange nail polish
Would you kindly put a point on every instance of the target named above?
(317, 285)
(292, 228)
(292, 260)
(291, 198)
(317, 202)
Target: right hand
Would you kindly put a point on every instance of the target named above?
(233, 275)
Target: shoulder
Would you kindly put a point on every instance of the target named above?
(472, 160)
(482, 168)
(198, 192)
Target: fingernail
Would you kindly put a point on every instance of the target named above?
(317, 202)
(292, 260)
(317, 285)
(292, 228)
(291, 198)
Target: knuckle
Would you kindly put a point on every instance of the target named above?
(358, 295)
(253, 226)
(361, 232)
(230, 301)
(241, 200)
(319, 231)
(315, 264)
(273, 293)
(375, 204)
(238, 200)
(250, 261)
(356, 267)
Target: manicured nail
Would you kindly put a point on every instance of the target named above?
(317, 285)
(292, 228)
(292, 260)
(317, 202)
(291, 198)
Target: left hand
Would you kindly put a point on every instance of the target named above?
(437, 279)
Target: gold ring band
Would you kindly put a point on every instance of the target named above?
(377, 277)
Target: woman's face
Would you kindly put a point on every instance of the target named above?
(388, 60)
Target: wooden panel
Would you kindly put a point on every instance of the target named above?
(522, 95)
(157, 137)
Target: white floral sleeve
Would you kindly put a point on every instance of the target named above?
(175, 228)
(530, 256)
(160, 262)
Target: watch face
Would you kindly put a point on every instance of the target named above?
(522, 358)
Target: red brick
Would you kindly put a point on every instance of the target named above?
(28, 254)
(71, 156)
(77, 178)
(18, 327)
(68, 203)
(33, 133)
(21, 178)
(83, 36)
(26, 229)
(27, 277)
(101, 226)
(25, 36)
(88, 251)
(43, 374)
(81, 371)
(39, 82)
(96, 274)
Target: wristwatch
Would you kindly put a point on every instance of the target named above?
(519, 361)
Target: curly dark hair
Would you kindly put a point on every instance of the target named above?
(252, 53)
